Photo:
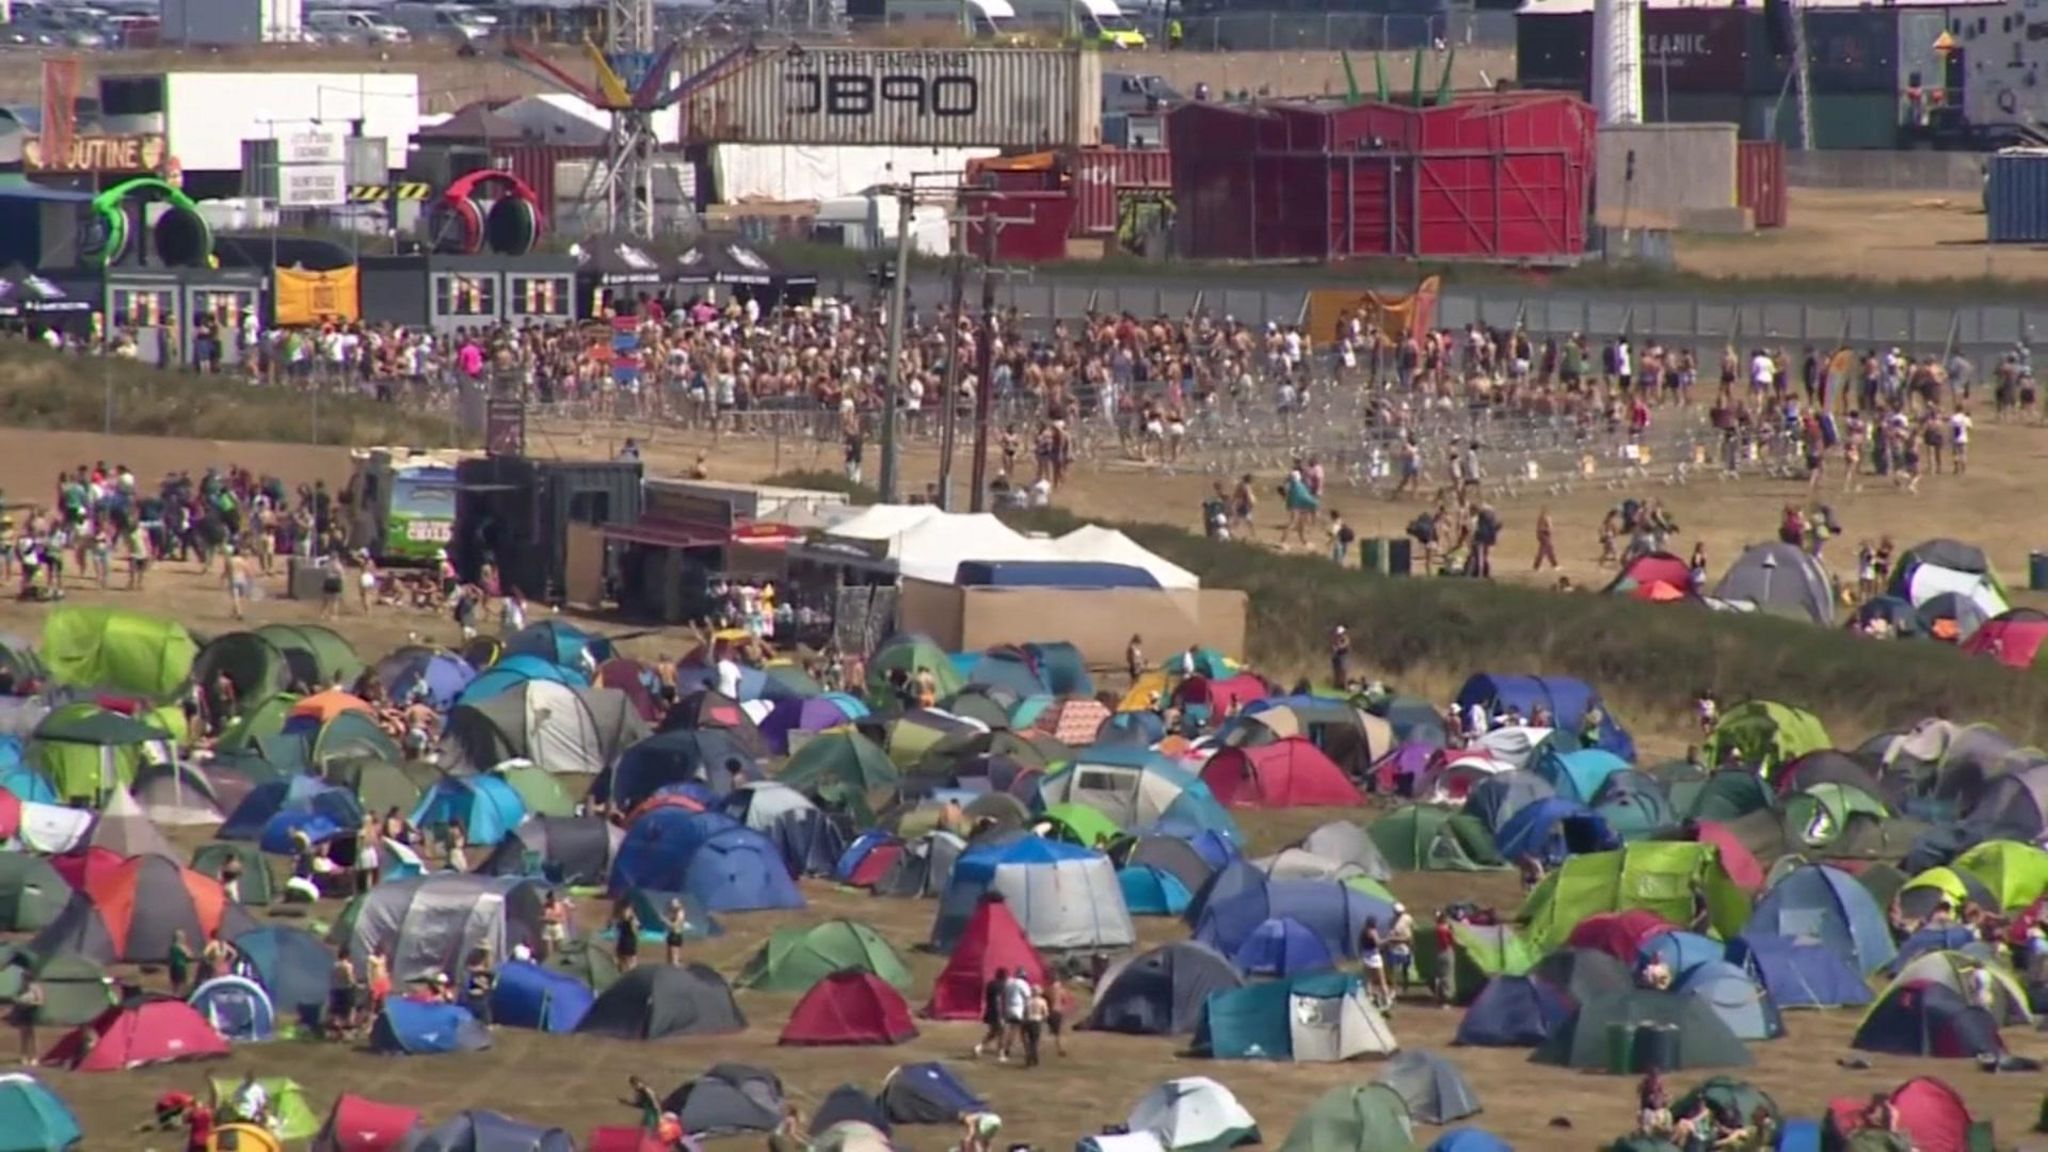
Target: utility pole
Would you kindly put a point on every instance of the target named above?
(985, 370)
(906, 204)
(950, 394)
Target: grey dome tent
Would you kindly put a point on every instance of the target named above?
(565, 849)
(480, 1131)
(1781, 579)
(923, 868)
(562, 729)
(432, 924)
(656, 1001)
(929, 1093)
(728, 1099)
(1435, 1090)
(1700, 1039)
(1347, 843)
(849, 1102)
(31, 893)
(1161, 992)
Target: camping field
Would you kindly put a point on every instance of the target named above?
(576, 1082)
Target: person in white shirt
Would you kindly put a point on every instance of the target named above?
(1959, 425)
(728, 671)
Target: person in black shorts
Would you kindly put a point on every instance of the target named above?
(676, 922)
(626, 937)
(992, 1015)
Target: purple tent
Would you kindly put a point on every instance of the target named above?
(1400, 770)
(814, 714)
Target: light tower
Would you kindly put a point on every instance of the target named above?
(632, 85)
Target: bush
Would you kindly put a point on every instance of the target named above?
(57, 392)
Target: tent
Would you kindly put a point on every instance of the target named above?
(487, 807)
(315, 656)
(294, 968)
(75, 990)
(356, 1124)
(130, 912)
(1289, 773)
(1697, 1037)
(2014, 638)
(86, 751)
(991, 942)
(1472, 1140)
(1513, 1012)
(927, 1093)
(415, 1028)
(795, 959)
(1353, 1118)
(271, 811)
(541, 793)
(431, 924)
(1150, 891)
(1743, 1005)
(1480, 953)
(1318, 1016)
(435, 677)
(1782, 579)
(1565, 698)
(573, 850)
(175, 794)
(531, 996)
(657, 1001)
(1575, 774)
(109, 648)
(923, 868)
(1553, 828)
(849, 1008)
(1193, 1114)
(1064, 896)
(728, 1099)
(291, 1118)
(1800, 973)
(1943, 567)
(1764, 735)
(1161, 992)
(33, 1118)
(1495, 800)
(840, 757)
(237, 1008)
(908, 652)
(32, 895)
(1134, 787)
(564, 728)
(707, 756)
(125, 830)
(1240, 898)
(1281, 947)
(1826, 905)
(1435, 1091)
(142, 1031)
(1426, 838)
(480, 1131)
(1922, 1018)
(1664, 877)
(1622, 935)
(1977, 976)
(2015, 874)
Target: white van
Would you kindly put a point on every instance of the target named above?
(979, 19)
(1090, 21)
(459, 24)
(355, 26)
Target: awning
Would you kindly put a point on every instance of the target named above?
(667, 535)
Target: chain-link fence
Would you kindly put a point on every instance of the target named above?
(1353, 31)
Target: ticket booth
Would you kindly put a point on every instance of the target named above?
(445, 292)
(153, 303)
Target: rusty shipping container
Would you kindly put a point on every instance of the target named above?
(1760, 181)
(1101, 175)
(1695, 49)
(968, 97)
(536, 165)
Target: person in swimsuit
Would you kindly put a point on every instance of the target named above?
(677, 922)
(236, 575)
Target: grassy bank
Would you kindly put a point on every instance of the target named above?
(1650, 659)
(46, 390)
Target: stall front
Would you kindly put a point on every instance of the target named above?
(613, 274)
(686, 545)
(729, 266)
(443, 292)
(188, 315)
(35, 304)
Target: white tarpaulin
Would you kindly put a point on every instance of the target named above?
(784, 173)
(52, 829)
(1109, 546)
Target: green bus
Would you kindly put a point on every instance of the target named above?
(404, 502)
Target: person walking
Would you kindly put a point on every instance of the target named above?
(1546, 542)
(626, 936)
(24, 1013)
(992, 995)
(1372, 962)
(1036, 1012)
(677, 923)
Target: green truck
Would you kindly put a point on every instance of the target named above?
(404, 502)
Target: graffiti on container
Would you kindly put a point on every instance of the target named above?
(862, 94)
(1142, 213)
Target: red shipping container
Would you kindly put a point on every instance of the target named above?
(1695, 49)
(1100, 174)
(535, 165)
(1760, 181)
(1038, 231)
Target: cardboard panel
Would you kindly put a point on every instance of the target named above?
(1100, 623)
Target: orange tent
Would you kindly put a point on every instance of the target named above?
(325, 706)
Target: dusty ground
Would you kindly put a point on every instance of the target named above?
(574, 1082)
(1870, 236)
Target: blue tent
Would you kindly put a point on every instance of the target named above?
(294, 967)
(1333, 911)
(530, 996)
(1950, 938)
(1282, 947)
(1031, 857)
(1144, 772)
(1800, 1136)
(1566, 697)
(296, 801)
(1257, 1021)
(1681, 951)
(1215, 848)
(659, 843)
(1577, 775)
(1470, 1140)
(1634, 804)
(709, 856)
(863, 846)
(1553, 829)
(1003, 670)
(412, 1028)
(436, 677)
(33, 1118)
(1740, 1003)
(237, 1008)
(1513, 1012)
(18, 777)
(1495, 800)
(681, 755)
(513, 671)
(487, 806)
(928, 1093)
(1146, 727)
(1150, 891)
(1826, 905)
(477, 1131)
(557, 642)
(1800, 974)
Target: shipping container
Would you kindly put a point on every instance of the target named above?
(528, 504)
(1100, 175)
(971, 97)
(2016, 198)
(1693, 108)
(1839, 122)
(1760, 182)
(1850, 52)
(1695, 49)
(1555, 51)
(1035, 229)
(230, 23)
(1655, 175)
(537, 164)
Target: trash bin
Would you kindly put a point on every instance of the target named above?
(1372, 555)
(1621, 1045)
(2037, 571)
(1400, 556)
(1656, 1046)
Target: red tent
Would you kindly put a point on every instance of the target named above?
(360, 1125)
(1288, 773)
(1930, 1112)
(850, 1007)
(992, 939)
(619, 1138)
(1653, 568)
(875, 865)
(1221, 697)
(10, 814)
(131, 912)
(2012, 638)
(624, 675)
(1619, 934)
(147, 1031)
(1736, 858)
(81, 867)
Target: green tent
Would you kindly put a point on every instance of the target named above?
(2014, 873)
(291, 1118)
(839, 756)
(1354, 1118)
(912, 654)
(1818, 816)
(1602, 1034)
(259, 886)
(86, 751)
(130, 652)
(1080, 824)
(75, 990)
(1726, 795)
(260, 721)
(382, 785)
(587, 961)
(254, 665)
(1734, 1102)
(31, 892)
(977, 704)
(348, 736)
(795, 959)
(1663, 876)
(317, 657)
(1426, 838)
(1765, 735)
(542, 792)
(1372, 888)
(1483, 952)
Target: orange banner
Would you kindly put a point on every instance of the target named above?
(1395, 316)
(302, 298)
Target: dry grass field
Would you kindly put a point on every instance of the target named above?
(1868, 236)
(574, 1082)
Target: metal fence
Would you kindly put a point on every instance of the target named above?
(1975, 330)
(1356, 31)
